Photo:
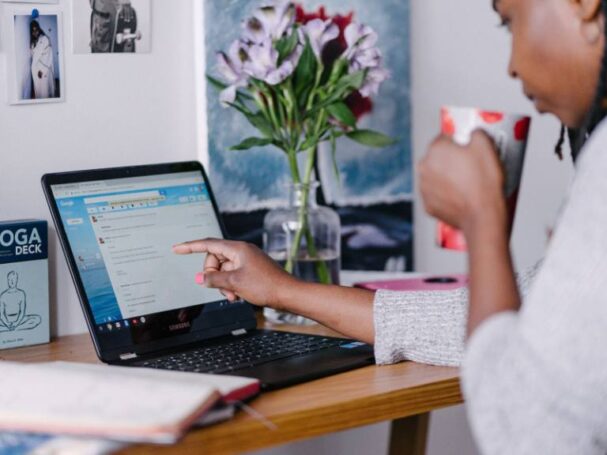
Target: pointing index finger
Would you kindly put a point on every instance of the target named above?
(223, 249)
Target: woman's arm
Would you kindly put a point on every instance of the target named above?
(425, 326)
(241, 270)
(492, 281)
(463, 186)
(344, 309)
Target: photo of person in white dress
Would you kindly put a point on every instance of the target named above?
(37, 57)
(43, 73)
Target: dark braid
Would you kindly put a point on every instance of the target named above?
(577, 137)
(558, 148)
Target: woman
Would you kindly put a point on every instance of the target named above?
(43, 73)
(534, 378)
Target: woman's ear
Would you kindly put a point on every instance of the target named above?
(588, 10)
(591, 20)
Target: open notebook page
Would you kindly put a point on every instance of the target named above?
(229, 387)
(121, 403)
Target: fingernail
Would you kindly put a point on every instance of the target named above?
(200, 278)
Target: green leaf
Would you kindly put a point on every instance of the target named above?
(251, 142)
(371, 138)
(342, 113)
(334, 157)
(309, 143)
(302, 97)
(240, 108)
(337, 71)
(257, 119)
(216, 83)
(344, 87)
(353, 80)
(286, 46)
(348, 84)
(305, 73)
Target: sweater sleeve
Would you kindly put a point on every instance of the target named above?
(426, 326)
(535, 381)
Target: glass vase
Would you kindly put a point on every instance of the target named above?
(304, 238)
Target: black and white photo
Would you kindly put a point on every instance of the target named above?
(111, 26)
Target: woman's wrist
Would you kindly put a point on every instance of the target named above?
(287, 289)
(487, 227)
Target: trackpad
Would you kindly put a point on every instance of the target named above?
(301, 368)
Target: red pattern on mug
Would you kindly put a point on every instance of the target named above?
(450, 238)
(447, 123)
(521, 128)
(491, 117)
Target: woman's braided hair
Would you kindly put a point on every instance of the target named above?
(598, 111)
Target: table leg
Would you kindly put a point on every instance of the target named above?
(408, 435)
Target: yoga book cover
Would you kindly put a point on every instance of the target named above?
(24, 299)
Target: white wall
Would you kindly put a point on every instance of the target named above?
(460, 58)
(142, 109)
(119, 110)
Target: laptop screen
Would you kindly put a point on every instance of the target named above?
(121, 232)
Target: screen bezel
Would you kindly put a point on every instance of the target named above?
(220, 322)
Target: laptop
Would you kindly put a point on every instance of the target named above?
(140, 301)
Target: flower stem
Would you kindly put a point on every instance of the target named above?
(303, 226)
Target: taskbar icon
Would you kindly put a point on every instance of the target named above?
(113, 325)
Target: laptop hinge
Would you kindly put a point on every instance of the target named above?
(128, 356)
(239, 332)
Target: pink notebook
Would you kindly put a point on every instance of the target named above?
(424, 283)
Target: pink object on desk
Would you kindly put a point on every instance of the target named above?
(425, 283)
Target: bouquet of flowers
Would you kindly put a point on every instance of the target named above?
(301, 79)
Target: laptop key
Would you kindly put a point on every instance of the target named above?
(243, 353)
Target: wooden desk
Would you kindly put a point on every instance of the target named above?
(404, 393)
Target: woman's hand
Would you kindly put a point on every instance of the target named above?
(242, 270)
(239, 270)
(463, 186)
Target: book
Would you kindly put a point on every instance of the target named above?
(41, 444)
(12, 443)
(118, 403)
(424, 283)
(24, 296)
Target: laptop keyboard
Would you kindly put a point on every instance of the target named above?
(244, 353)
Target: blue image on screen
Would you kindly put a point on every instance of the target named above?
(85, 247)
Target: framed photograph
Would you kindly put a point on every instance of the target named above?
(29, 1)
(111, 26)
(35, 55)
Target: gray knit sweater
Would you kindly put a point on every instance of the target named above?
(535, 381)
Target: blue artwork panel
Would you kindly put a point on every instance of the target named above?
(258, 178)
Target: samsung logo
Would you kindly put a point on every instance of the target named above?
(24, 243)
(180, 326)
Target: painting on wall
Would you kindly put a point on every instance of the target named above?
(374, 192)
(111, 26)
(35, 65)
